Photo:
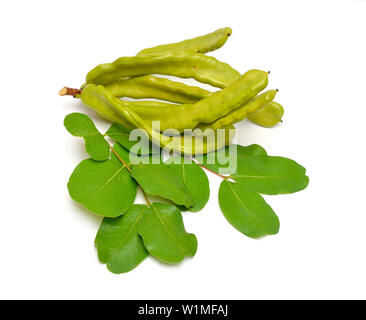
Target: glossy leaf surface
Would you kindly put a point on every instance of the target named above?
(164, 235)
(80, 125)
(225, 160)
(119, 245)
(271, 175)
(105, 188)
(247, 211)
(195, 178)
(162, 180)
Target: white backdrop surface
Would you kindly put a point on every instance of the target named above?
(316, 53)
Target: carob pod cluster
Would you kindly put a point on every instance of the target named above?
(185, 106)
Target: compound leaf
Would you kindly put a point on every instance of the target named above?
(271, 175)
(118, 243)
(80, 125)
(164, 235)
(105, 188)
(247, 211)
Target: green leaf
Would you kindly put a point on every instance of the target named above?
(195, 180)
(80, 125)
(122, 135)
(119, 245)
(106, 188)
(224, 162)
(247, 211)
(271, 175)
(164, 235)
(162, 180)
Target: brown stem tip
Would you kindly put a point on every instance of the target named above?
(65, 91)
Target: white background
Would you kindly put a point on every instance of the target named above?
(316, 52)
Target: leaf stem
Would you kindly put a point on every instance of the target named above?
(219, 175)
(202, 166)
(119, 158)
(129, 169)
(146, 197)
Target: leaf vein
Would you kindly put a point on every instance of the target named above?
(167, 231)
(105, 184)
(243, 205)
(262, 177)
(130, 231)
